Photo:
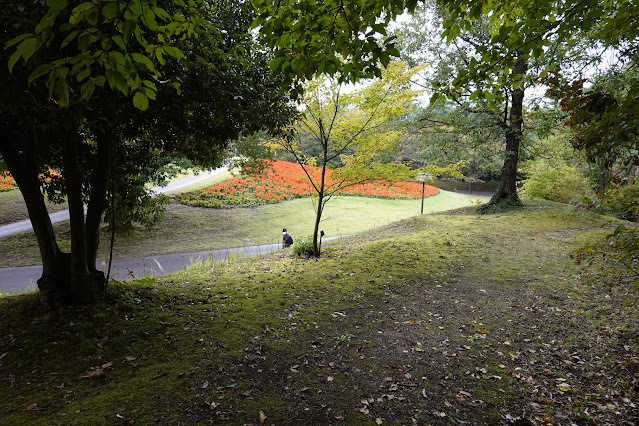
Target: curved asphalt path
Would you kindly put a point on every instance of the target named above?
(17, 280)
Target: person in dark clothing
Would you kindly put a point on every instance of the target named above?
(287, 240)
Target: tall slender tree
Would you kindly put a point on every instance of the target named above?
(355, 127)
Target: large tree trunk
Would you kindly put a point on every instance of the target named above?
(97, 202)
(54, 282)
(85, 286)
(507, 189)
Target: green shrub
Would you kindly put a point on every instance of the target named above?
(554, 181)
(622, 200)
(303, 246)
(617, 259)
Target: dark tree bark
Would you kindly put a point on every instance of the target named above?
(97, 202)
(321, 192)
(507, 189)
(85, 286)
(54, 282)
(66, 279)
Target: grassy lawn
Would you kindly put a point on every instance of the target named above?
(448, 318)
(13, 209)
(187, 229)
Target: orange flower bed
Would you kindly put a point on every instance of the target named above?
(6, 182)
(283, 180)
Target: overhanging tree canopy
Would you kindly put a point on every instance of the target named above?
(98, 57)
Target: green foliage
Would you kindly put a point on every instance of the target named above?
(617, 258)
(356, 127)
(553, 181)
(602, 116)
(443, 134)
(343, 38)
(100, 45)
(76, 95)
(303, 246)
(622, 200)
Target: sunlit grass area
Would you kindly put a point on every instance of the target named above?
(186, 229)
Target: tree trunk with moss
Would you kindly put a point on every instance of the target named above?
(513, 124)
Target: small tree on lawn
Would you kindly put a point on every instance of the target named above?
(356, 127)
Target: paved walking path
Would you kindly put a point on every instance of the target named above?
(61, 216)
(18, 280)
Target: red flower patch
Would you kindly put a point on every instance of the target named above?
(284, 181)
(6, 182)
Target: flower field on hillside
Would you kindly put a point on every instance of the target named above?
(284, 181)
(6, 182)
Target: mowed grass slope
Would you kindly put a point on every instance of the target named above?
(13, 209)
(187, 229)
(439, 319)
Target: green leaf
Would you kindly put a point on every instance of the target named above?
(83, 74)
(140, 101)
(39, 71)
(393, 51)
(68, 38)
(62, 88)
(87, 89)
(25, 50)
(121, 83)
(119, 41)
(150, 93)
(143, 60)
(117, 57)
(158, 54)
(150, 84)
(18, 39)
(57, 4)
(92, 17)
(78, 12)
(13, 59)
(110, 11)
(161, 13)
(174, 51)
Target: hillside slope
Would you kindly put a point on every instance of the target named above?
(440, 319)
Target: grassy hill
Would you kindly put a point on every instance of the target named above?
(446, 318)
(187, 229)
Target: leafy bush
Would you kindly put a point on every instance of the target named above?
(618, 258)
(620, 253)
(622, 200)
(303, 246)
(554, 181)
